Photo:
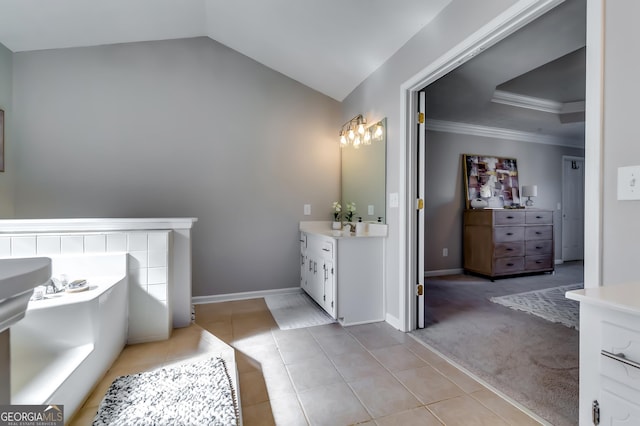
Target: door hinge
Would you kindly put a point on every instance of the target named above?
(332, 304)
(420, 204)
(419, 289)
(421, 117)
(595, 412)
(324, 297)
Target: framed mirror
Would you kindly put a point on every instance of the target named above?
(364, 176)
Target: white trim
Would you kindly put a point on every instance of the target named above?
(95, 224)
(573, 107)
(441, 272)
(512, 19)
(393, 321)
(528, 102)
(198, 300)
(501, 133)
(594, 140)
(558, 261)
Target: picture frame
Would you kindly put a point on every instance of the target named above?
(491, 181)
(1, 140)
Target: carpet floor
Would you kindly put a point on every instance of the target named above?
(532, 360)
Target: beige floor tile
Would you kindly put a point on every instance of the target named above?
(397, 358)
(313, 372)
(504, 409)
(358, 365)
(465, 411)
(332, 405)
(279, 385)
(252, 338)
(258, 415)
(246, 364)
(376, 336)
(301, 350)
(287, 411)
(383, 395)
(263, 354)
(144, 353)
(460, 378)
(250, 324)
(291, 337)
(217, 327)
(338, 344)
(84, 417)
(426, 354)
(253, 390)
(428, 385)
(415, 417)
(212, 312)
(248, 306)
(327, 329)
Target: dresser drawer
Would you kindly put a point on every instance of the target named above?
(509, 249)
(505, 234)
(508, 265)
(539, 217)
(535, 263)
(543, 232)
(538, 247)
(507, 217)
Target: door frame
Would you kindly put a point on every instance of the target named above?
(515, 17)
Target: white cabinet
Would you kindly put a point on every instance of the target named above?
(609, 354)
(343, 274)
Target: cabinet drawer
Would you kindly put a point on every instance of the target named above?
(625, 343)
(538, 247)
(509, 249)
(544, 232)
(327, 249)
(539, 218)
(508, 265)
(503, 217)
(505, 234)
(534, 263)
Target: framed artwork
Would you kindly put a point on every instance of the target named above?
(491, 181)
(1, 140)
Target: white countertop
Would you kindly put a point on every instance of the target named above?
(622, 297)
(94, 224)
(324, 228)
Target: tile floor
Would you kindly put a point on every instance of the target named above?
(327, 375)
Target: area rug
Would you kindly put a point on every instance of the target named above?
(296, 310)
(549, 303)
(198, 393)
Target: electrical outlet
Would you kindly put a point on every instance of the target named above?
(629, 183)
(307, 209)
(445, 252)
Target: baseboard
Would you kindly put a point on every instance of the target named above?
(443, 272)
(559, 261)
(393, 321)
(197, 300)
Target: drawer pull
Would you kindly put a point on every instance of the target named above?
(509, 264)
(538, 217)
(538, 247)
(324, 249)
(509, 233)
(509, 249)
(509, 217)
(539, 261)
(620, 357)
(538, 233)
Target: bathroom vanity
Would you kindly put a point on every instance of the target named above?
(343, 272)
(609, 354)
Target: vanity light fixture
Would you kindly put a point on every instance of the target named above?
(356, 133)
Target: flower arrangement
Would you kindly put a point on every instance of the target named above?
(337, 211)
(351, 210)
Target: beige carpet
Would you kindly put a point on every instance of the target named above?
(532, 360)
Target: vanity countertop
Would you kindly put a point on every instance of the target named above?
(621, 297)
(324, 228)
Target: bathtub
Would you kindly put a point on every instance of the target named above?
(66, 342)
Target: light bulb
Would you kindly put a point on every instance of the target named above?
(356, 141)
(367, 138)
(343, 139)
(378, 133)
(351, 134)
(361, 128)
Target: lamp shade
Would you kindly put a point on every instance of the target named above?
(529, 190)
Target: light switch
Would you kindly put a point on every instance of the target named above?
(629, 183)
(393, 200)
(307, 209)
(370, 210)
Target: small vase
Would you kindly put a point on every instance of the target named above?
(336, 225)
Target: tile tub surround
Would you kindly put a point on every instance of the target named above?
(159, 261)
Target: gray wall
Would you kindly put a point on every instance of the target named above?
(6, 89)
(621, 229)
(379, 96)
(538, 164)
(179, 128)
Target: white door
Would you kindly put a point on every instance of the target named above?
(420, 208)
(572, 208)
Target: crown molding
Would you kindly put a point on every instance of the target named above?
(528, 102)
(500, 133)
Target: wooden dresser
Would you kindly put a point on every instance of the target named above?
(508, 242)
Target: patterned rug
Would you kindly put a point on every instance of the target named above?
(198, 393)
(296, 310)
(549, 304)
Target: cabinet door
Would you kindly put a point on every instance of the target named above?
(329, 287)
(614, 410)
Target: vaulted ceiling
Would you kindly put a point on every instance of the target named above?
(328, 45)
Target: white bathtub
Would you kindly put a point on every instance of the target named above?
(65, 344)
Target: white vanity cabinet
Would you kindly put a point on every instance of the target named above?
(609, 354)
(343, 273)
